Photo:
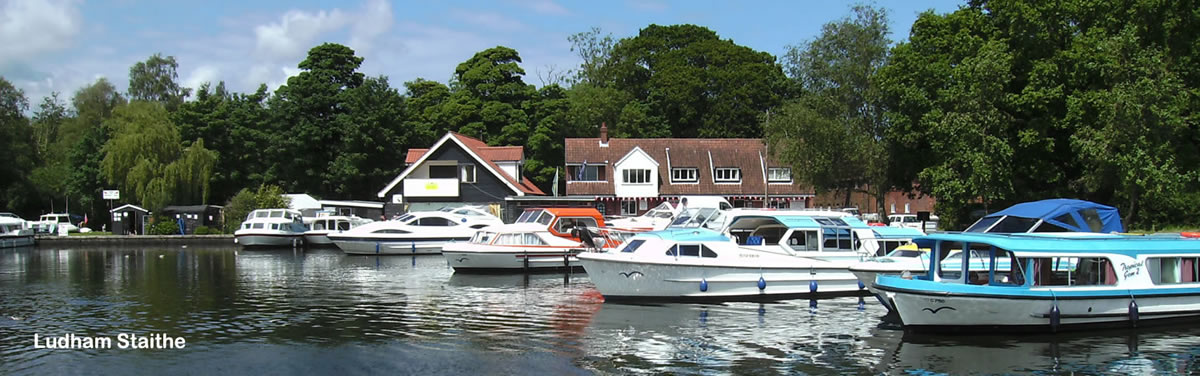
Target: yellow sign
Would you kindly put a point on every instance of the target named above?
(431, 186)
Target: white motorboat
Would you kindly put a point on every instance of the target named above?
(51, 223)
(14, 231)
(665, 213)
(414, 233)
(760, 254)
(271, 228)
(323, 224)
(1047, 282)
(540, 239)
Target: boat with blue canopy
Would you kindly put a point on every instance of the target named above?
(1047, 282)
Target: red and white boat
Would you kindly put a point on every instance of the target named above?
(540, 239)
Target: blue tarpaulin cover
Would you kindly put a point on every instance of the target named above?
(1071, 214)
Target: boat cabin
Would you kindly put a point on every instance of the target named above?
(561, 221)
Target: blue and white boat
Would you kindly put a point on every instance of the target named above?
(415, 233)
(1047, 282)
(759, 254)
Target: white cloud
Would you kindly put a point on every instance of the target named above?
(201, 75)
(295, 32)
(29, 28)
(545, 7)
(374, 20)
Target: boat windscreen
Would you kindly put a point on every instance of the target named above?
(694, 217)
(529, 215)
(982, 224)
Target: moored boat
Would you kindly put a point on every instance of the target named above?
(415, 233)
(1047, 282)
(271, 228)
(323, 224)
(540, 239)
(760, 254)
(13, 232)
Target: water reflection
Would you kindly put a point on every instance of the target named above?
(273, 311)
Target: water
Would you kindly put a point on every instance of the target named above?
(319, 311)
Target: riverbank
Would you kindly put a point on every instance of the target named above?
(139, 240)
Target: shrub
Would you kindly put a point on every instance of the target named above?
(164, 226)
(205, 230)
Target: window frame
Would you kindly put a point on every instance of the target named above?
(636, 176)
(466, 173)
(772, 172)
(677, 171)
(719, 171)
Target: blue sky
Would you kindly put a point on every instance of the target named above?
(61, 45)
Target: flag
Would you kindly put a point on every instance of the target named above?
(554, 186)
(582, 168)
(84, 219)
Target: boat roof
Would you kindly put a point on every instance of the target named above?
(689, 235)
(1066, 243)
(896, 232)
(1070, 214)
(574, 212)
(798, 219)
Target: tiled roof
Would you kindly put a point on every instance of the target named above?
(684, 152)
(414, 155)
(492, 154)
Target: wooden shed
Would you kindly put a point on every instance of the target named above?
(194, 216)
(129, 220)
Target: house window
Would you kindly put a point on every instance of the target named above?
(629, 207)
(602, 207)
(443, 172)
(684, 175)
(588, 173)
(727, 175)
(636, 176)
(779, 174)
(468, 173)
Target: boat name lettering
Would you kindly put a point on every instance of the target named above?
(747, 255)
(936, 300)
(1131, 269)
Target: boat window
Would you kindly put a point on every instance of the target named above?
(1011, 224)
(404, 218)
(632, 246)
(839, 238)
(258, 225)
(1072, 271)
(830, 221)
(567, 223)
(886, 246)
(545, 218)
(1092, 218)
(389, 231)
(343, 225)
(274, 226)
(434, 221)
(528, 216)
(983, 224)
(804, 241)
(1173, 270)
(245, 225)
(276, 214)
(950, 261)
(533, 239)
(769, 235)
(705, 252)
(318, 225)
(1050, 227)
(1067, 219)
(508, 239)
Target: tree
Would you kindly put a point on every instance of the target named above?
(18, 150)
(489, 96)
(834, 134)
(154, 80)
(374, 140)
(144, 157)
(595, 51)
(690, 83)
(82, 138)
(310, 119)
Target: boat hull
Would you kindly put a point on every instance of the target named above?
(469, 257)
(317, 239)
(626, 280)
(265, 240)
(958, 312)
(10, 241)
(392, 246)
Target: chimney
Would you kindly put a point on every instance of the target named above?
(603, 133)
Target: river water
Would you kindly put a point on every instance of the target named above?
(320, 311)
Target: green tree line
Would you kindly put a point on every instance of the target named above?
(995, 103)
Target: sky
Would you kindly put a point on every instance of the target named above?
(63, 45)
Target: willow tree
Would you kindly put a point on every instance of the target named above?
(144, 157)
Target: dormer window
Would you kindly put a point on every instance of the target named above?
(727, 175)
(779, 174)
(684, 175)
(636, 176)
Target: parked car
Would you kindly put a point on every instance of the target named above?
(911, 221)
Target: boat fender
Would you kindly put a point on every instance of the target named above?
(1133, 313)
(1055, 318)
(812, 306)
(862, 304)
(762, 283)
(812, 286)
(703, 285)
(861, 285)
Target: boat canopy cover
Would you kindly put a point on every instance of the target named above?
(1070, 214)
